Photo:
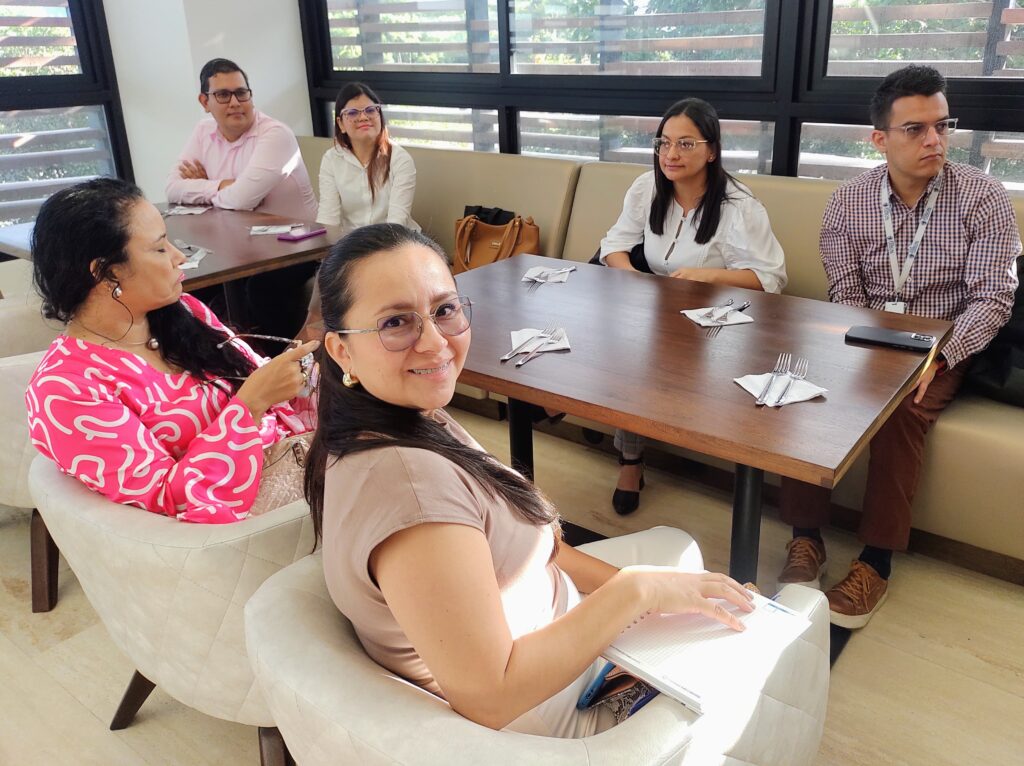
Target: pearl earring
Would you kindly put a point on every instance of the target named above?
(349, 380)
(117, 292)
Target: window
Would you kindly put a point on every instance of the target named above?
(747, 145)
(642, 37)
(960, 38)
(439, 127)
(844, 151)
(62, 121)
(44, 150)
(424, 36)
(36, 38)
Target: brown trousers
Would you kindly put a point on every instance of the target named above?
(894, 469)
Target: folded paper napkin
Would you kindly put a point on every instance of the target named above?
(521, 336)
(186, 210)
(800, 391)
(270, 229)
(727, 315)
(194, 258)
(545, 274)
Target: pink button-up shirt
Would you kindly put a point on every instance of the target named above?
(264, 161)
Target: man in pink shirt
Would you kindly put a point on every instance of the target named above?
(241, 159)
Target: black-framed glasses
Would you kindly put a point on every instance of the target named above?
(916, 131)
(224, 96)
(401, 331)
(369, 111)
(661, 145)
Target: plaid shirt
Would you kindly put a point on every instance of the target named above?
(965, 271)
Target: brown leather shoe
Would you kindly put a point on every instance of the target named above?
(854, 599)
(805, 563)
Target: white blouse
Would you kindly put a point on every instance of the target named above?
(345, 198)
(744, 239)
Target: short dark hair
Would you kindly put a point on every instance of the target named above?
(913, 80)
(218, 66)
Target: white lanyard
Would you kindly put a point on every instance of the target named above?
(899, 278)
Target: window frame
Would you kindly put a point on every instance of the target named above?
(792, 89)
(95, 86)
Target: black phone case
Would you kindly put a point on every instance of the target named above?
(881, 336)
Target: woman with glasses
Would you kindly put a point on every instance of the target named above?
(147, 398)
(689, 219)
(364, 178)
(450, 565)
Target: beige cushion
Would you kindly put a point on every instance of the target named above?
(15, 278)
(598, 202)
(16, 451)
(22, 326)
(448, 180)
(171, 594)
(312, 149)
(333, 704)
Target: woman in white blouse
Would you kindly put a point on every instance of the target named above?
(695, 221)
(364, 178)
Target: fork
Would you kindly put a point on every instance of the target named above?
(721, 321)
(543, 335)
(557, 337)
(799, 373)
(534, 283)
(781, 368)
(711, 311)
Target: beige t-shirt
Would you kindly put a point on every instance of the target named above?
(371, 495)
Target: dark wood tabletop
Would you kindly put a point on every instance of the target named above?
(238, 254)
(637, 363)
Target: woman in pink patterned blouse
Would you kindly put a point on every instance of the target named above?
(147, 398)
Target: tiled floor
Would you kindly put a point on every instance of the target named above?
(936, 678)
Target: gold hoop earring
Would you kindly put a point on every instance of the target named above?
(349, 380)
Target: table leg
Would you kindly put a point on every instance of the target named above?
(746, 523)
(520, 437)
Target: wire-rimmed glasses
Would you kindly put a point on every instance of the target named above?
(401, 331)
(369, 111)
(916, 131)
(306, 363)
(224, 96)
(661, 145)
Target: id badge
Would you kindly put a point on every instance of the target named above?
(895, 307)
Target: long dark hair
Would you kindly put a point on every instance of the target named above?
(709, 209)
(352, 420)
(378, 170)
(90, 223)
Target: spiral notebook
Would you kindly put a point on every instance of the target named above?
(695, 659)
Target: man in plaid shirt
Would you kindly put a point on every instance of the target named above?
(959, 224)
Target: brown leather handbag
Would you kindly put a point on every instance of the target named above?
(478, 243)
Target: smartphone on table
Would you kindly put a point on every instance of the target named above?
(300, 233)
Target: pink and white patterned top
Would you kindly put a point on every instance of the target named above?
(167, 443)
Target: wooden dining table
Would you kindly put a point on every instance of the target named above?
(235, 253)
(638, 364)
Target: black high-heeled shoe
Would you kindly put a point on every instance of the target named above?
(539, 415)
(625, 501)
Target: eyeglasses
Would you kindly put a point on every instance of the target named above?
(916, 131)
(401, 331)
(661, 145)
(370, 111)
(224, 96)
(290, 341)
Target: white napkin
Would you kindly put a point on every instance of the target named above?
(254, 230)
(546, 274)
(194, 258)
(800, 391)
(521, 336)
(727, 315)
(186, 210)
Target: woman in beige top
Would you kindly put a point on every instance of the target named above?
(450, 565)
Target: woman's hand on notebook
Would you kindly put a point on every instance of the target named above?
(668, 590)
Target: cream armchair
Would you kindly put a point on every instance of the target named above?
(171, 594)
(24, 335)
(334, 705)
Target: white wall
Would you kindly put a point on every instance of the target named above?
(159, 47)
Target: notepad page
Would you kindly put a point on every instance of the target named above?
(692, 656)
